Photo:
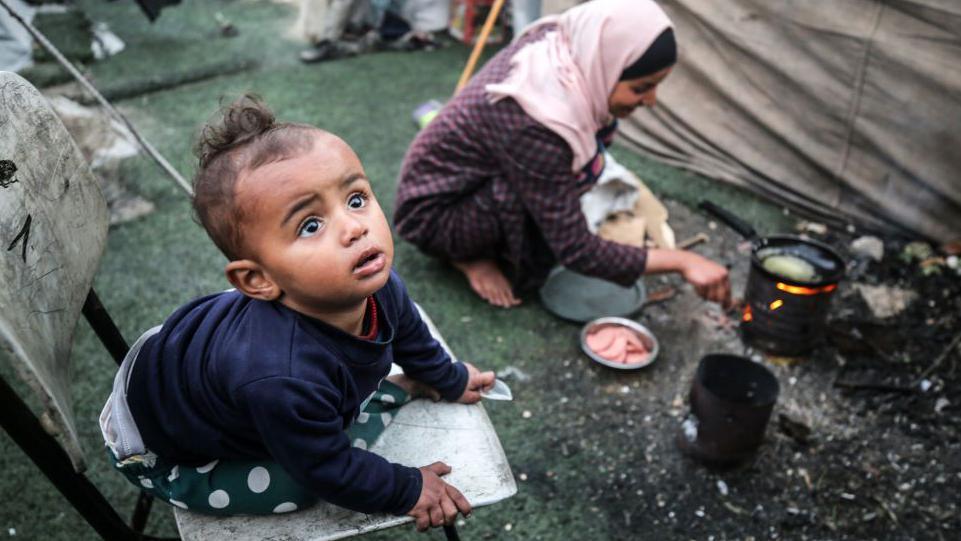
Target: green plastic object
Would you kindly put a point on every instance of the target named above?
(580, 298)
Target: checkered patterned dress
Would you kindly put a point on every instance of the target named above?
(485, 180)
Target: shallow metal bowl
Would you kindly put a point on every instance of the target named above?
(645, 334)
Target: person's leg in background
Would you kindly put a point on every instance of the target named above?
(325, 24)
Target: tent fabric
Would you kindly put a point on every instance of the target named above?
(848, 111)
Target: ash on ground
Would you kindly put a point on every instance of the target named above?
(862, 444)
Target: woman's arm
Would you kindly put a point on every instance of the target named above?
(539, 164)
(709, 279)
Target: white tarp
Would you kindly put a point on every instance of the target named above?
(848, 110)
(16, 45)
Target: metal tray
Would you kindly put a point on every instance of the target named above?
(650, 341)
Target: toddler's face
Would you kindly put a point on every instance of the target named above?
(313, 224)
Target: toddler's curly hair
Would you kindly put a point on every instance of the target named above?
(245, 137)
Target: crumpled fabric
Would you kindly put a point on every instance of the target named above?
(622, 209)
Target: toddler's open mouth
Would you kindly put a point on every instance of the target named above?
(370, 262)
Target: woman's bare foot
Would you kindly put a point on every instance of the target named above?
(413, 387)
(487, 280)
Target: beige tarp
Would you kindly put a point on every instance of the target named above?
(848, 110)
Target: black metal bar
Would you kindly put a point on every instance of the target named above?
(103, 325)
(451, 533)
(141, 512)
(44, 450)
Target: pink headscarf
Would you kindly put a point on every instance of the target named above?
(565, 79)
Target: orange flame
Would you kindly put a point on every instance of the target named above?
(748, 316)
(798, 290)
(776, 304)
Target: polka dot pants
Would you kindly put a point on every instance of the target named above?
(249, 487)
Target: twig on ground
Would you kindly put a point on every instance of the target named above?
(945, 353)
(890, 513)
(734, 509)
(874, 386)
(691, 241)
(660, 295)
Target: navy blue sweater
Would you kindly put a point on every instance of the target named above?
(232, 377)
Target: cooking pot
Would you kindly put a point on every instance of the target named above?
(826, 261)
(784, 315)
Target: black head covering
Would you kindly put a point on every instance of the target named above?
(661, 54)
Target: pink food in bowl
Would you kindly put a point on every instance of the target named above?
(617, 344)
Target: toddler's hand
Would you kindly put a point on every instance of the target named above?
(439, 502)
(709, 279)
(477, 381)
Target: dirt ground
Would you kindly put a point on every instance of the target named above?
(836, 463)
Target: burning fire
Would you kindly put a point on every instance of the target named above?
(798, 290)
(776, 304)
(747, 313)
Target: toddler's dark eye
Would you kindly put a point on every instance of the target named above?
(356, 201)
(310, 227)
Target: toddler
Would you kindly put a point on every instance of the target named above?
(265, 398)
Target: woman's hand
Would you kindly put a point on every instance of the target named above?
(709, 279)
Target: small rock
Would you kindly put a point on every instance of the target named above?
(508, 527)
(868, 246)
(952, 262)
(885, 301)
(712, 225)
(796, 430)
(522, 477)
(461, 523)
(465, 319)
(12, 532)
(941, 404)
(722, 487)
(925, 385)
(847, 496)
(526, 414)
(812, 227)
(690, 429)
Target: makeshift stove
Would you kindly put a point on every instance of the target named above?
(784, 316)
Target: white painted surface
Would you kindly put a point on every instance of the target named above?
(53, 226)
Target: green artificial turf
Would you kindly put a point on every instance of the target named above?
(153, 265)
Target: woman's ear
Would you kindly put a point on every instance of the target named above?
(250, 279)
